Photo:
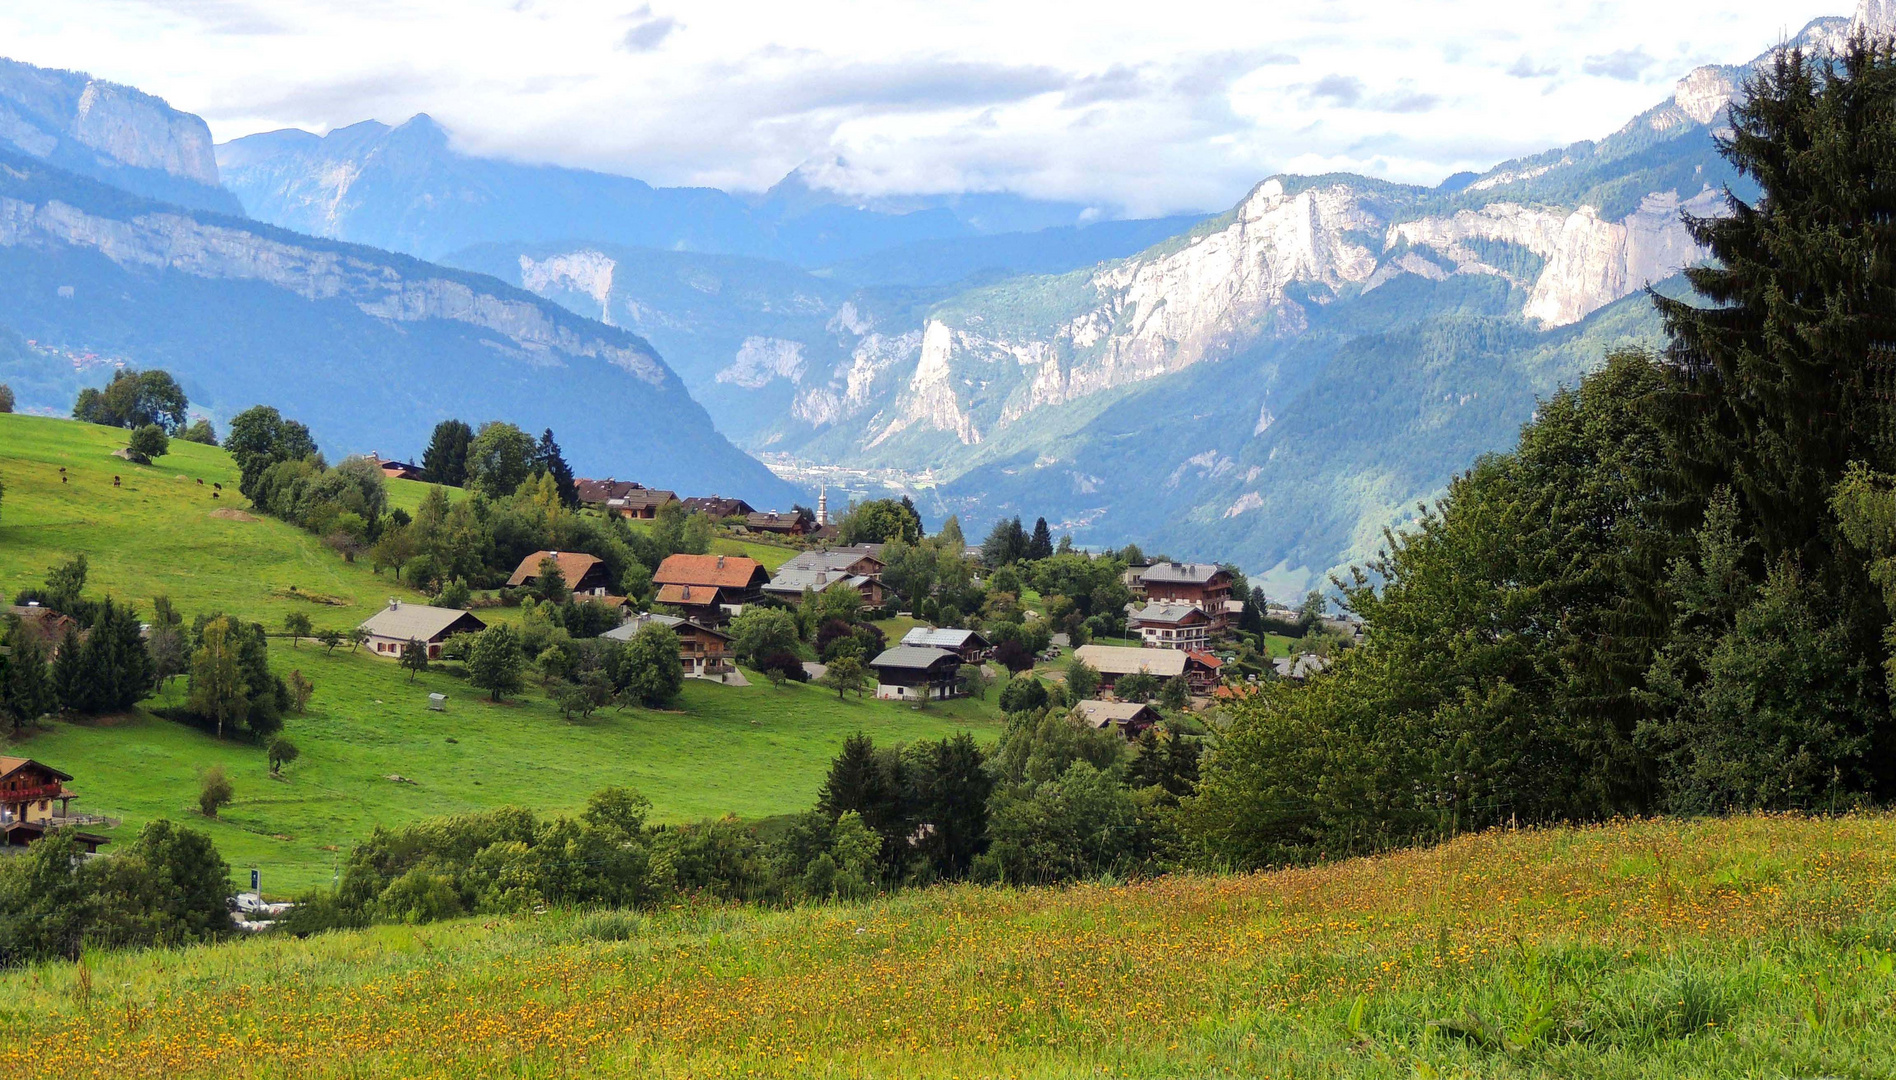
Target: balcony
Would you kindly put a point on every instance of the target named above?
(32, 794)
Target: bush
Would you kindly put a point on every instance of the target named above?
(1023, 693)
(6, 398)
(282, 752)
(214, 791)
(1015, 656)
(786, 664)
(150, 441)
(454, 594)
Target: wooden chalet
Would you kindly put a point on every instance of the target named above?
(717, 507)
(643, 504)
(34, 800)
(908, 673)
(704, 652)
(1129, 718)
(398, 624)
(709, 589)
(626, 498)
(46, 624)
(796, 523)
(1206, 586)
(597, 493)
(1115, 662)
(1162, 625)
(586, 575)
(970, 646)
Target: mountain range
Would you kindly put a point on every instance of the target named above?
(368, 347)
(1273, 385)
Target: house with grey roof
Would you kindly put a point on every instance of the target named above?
(1171, 625)
(967, 644)
(908, 673)
(398, 624)
(1129, 718)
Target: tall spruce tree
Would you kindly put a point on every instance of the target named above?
(1041, 545)
(548, 459)
(1784, 367)
(445, 460)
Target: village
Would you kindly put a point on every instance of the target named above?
(1181, 615)
(1172, 629)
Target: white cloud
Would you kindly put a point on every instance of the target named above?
(1184, 106)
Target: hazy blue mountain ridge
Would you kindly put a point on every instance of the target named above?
(112, 133)
(369, 348)
(406, 188)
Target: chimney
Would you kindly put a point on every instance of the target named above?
(720, 562)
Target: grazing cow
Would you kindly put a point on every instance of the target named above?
(200, 481)
(115, 481)
(62, 468)
(62, 479)
(218, 487)
(213, 494)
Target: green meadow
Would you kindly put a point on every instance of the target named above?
(751, 751)
(1746, 947)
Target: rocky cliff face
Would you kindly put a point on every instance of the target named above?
(110, 132)
(173, 241)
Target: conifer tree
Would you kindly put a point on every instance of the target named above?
(26, 682)
(1786, 362)
(1784, 366)
(547, 459)
(445, 460)
(1041, 546)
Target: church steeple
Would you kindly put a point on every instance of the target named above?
(823, 505)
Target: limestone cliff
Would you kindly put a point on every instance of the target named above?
(110, 132)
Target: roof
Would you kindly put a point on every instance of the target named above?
(642, 498)
(1100, 713)
(1169, 614)
(1206, 659)
(687, 595)
(794, 581)
(629, 629)
(929, 637)
(11, 765)
(832, 559)
(573, 566)
(598, 491)
(1119, 660)
(771, 519)
(418, 621)
(718, 506)
(721, 571)
(1171, 573)
(1301, 666)
(910, 658)
(50, 625)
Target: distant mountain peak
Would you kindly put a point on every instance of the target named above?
(109, 132)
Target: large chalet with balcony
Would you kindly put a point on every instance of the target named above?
(33, 801)
(1206, 586)
(709, 589)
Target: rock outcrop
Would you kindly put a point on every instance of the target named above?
(110, 132)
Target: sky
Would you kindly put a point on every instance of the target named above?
(1138, 109)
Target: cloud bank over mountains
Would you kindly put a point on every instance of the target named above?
(1133, 109)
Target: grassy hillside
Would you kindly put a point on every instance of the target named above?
(752, 751)
(163, 532)
(1748, 947)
